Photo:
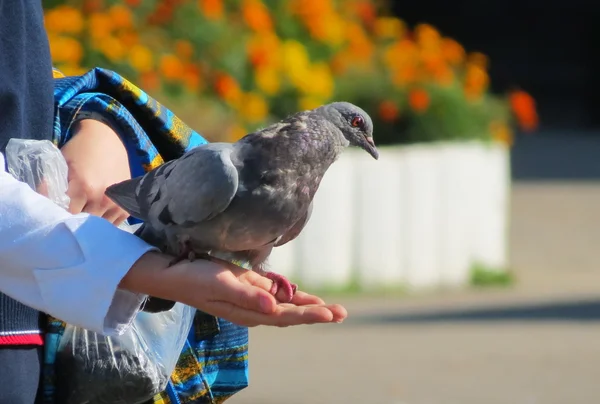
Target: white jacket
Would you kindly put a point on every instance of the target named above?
(68, 266)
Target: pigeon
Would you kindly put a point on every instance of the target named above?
(238, 201)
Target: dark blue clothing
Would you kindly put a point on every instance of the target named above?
(26, 111)
(20, 368)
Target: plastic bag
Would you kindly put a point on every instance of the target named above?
(41, 165)
(91, 368)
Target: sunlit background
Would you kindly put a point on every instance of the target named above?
(466, 254)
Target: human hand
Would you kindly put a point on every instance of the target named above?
(96, 158)
(227, 291)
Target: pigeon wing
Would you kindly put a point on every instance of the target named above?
(196, 187)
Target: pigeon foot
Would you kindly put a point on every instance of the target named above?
(282, 288)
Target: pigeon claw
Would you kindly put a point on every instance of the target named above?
(282, 288)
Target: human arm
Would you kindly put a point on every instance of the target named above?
(66, 265)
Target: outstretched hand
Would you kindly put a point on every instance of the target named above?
(227, 291)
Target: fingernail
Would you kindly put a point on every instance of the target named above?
(265, 304)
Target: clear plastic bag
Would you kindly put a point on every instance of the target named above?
(91, 368)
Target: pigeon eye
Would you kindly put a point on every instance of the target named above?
(357, 121)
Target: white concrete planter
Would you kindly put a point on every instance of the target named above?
(421, 216)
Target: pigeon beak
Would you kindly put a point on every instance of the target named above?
(370, 147)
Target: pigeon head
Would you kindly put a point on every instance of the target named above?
(354, 123)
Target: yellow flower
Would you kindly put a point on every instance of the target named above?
(65, 49)
(236, 132)
(72, 70)
(309, 102)
(112, 48)
(296, 63)
(320, 81)
(253, 107)
(140, 58)
(501, 133)
(64, 19)
(389, 27)
(267, 80)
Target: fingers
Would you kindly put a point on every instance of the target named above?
(285, 315)
(115, 215)
(78, 197)
(244, 296)
(252, 278)
(303, 299)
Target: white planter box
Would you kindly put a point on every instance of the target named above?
(420, 216)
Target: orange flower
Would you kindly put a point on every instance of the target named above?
(129, 38)
(100, 26)
(227, 88)
(478, 59)
(388, 111)
(184, 49)
(444, 75)
(366, 12)
(405, 75)
(427, 36)
(419, 100)
(523, 106)
(211, 9)
(453, 52)
(476, 81)
(256, 15)
(171, 67)
(150, 81)
(91, 6)
(64, 19)
(192, 78)
(121, 16)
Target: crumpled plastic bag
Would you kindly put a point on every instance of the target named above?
(91, 368)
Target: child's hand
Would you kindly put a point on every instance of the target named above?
(97, 158)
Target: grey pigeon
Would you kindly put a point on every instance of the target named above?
(239, 200)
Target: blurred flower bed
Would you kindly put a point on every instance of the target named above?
(231, 66)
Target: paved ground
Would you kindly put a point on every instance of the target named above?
(537, 343)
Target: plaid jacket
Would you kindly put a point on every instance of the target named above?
(214, 362)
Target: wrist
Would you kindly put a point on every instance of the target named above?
(146, 274)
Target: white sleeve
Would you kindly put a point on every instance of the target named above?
(68, 266)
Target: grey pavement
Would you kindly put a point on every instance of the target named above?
(535, 343)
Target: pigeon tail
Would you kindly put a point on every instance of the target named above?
(124, 194)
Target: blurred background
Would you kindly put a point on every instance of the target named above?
(466, 254)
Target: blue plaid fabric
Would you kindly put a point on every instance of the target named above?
(214, 362)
